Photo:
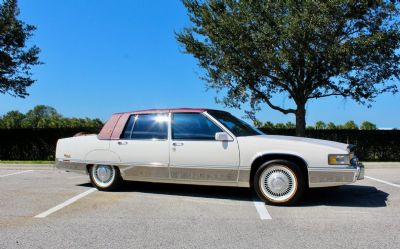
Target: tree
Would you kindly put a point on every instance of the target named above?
(366, 125)
(350, 125)
(320, 125)
(331, 126)
(290, 125)
(12, 119)
(268, 125)
(257, 123)
(16, 58)
(42, 116)
(254, 50)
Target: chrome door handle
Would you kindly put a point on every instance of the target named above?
(122, 143)
(177, 144)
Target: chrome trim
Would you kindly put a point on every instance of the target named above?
(189, 182)
(360, 171)
(150, 172)
(204, 174)
(331, 176)
(244, 178)
(76, 167)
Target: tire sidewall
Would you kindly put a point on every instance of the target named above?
(296, 172)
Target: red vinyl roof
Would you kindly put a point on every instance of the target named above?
(167, 110)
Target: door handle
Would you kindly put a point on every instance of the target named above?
(122, 143)
(177, 144)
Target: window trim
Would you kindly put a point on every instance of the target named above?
(205, 115)
(147, 139)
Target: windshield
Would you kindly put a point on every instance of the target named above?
(238, 127)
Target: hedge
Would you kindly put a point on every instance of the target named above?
(371, 145)
(39, 144)
(34, 144)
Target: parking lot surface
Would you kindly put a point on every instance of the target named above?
(46, 208)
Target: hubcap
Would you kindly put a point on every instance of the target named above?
(103, 174)
(278, 183)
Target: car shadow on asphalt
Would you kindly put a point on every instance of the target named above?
(345, 196)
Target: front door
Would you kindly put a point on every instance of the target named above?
(196, 156)
(144, 147)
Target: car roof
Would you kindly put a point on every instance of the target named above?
(168, 110)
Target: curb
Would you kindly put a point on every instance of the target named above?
(26, 166)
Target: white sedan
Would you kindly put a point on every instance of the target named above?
(206, 147)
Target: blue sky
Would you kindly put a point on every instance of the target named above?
(110, 56)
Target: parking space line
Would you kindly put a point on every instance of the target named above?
(16, 173)
(262, 210)
(66, 203)
(382, 181)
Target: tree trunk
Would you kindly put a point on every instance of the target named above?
(301, 120)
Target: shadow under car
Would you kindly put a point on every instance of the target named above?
(345, 196)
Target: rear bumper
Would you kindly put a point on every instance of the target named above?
(71, 166)
(360, 172)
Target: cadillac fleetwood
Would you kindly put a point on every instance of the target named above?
(207, 147)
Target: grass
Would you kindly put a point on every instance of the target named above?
(26, 162)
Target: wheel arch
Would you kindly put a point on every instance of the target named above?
(298, 160)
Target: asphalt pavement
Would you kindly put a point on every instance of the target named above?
(45, 208)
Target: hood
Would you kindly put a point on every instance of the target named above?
(311, 141)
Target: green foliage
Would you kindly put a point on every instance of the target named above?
(43, 116)
(331, 126)
(253, 50)
(12, 119)
(16, 58)
(320, 125)
(350, 125)
(366, 125)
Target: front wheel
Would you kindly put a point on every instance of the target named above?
(105, 177)
(279, 182)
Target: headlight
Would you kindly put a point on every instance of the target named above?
(339, 159)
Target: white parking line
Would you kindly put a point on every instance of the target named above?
(262, 210)
(66, 203)
(16, 173)
(382, 181)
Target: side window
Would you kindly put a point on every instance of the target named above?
(147, 126)
(193, 126)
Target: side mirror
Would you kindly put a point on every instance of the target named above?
(223, 136)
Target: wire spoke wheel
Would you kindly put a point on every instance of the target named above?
(103, 175)
(278, 183)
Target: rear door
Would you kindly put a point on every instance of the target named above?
(143, 147)
(196, 156)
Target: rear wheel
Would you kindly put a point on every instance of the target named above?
(279, 182)
(105, 177)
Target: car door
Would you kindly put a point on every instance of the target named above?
(144, 147)
(196, 156)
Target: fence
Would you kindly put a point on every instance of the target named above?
(39, 144)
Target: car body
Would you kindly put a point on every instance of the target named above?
(206, 147)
